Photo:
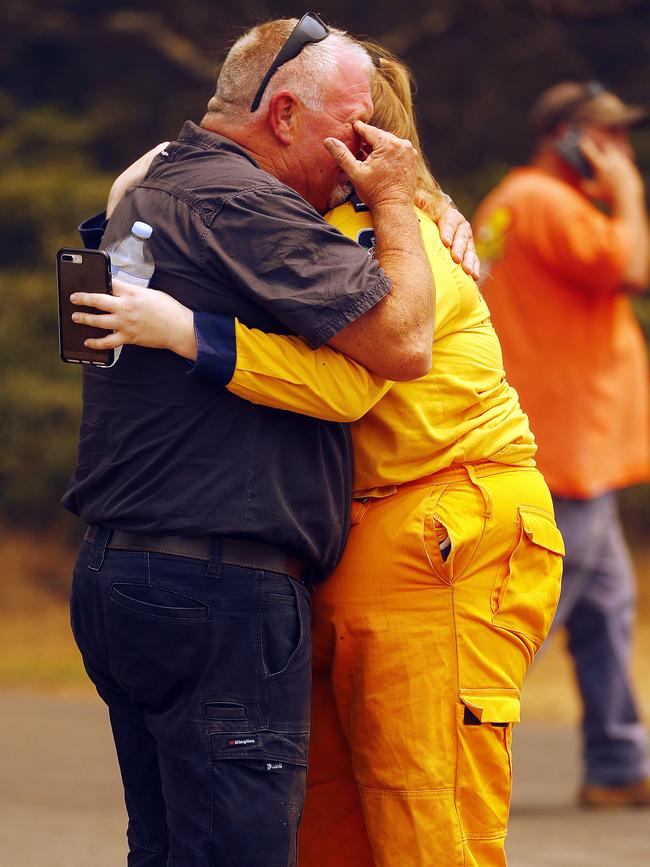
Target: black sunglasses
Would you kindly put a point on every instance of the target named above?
(309, 29)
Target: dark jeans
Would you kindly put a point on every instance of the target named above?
(207, 679)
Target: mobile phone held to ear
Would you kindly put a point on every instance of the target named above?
(81, 271)
(567, 147)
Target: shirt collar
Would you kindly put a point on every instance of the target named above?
(192, 134)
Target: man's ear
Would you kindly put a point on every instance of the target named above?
(284, 109)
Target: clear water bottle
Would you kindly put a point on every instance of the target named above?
(131, 258)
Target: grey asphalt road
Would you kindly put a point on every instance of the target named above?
(60, 796)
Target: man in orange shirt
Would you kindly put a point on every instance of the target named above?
(557, 275)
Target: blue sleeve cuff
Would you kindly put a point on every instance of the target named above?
(92, 230)
(216, 347)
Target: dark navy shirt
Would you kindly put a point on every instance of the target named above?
(166, 452)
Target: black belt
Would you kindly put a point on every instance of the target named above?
(234, 552)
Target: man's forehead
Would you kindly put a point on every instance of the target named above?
(351, 80)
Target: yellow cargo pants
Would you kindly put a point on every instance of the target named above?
(418, 667)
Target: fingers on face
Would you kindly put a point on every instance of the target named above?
(338, 151)
(368, 133)
(376, 137)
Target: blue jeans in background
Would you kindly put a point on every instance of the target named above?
(597, 608)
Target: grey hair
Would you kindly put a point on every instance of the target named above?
(307, 75)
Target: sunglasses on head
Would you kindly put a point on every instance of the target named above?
(309, 29)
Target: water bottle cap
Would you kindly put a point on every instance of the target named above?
(141, 230)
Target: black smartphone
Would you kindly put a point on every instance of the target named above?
(568, 148)
(81, 271)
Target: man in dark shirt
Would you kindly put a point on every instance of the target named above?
(207, 515)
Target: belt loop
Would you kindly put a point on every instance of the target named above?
(487, 498)
(216, 558)
(98, 548)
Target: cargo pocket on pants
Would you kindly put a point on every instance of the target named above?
(484, 724)
(526, 592)
(258, 791)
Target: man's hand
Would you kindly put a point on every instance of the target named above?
(387, 176)
(131, 177)
(139, 315)
(615, 175)
(456, 233)
(617, 181)
(394, 338)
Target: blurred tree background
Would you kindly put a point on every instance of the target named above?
(89, 85)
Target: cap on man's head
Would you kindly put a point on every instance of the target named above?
(576, 103)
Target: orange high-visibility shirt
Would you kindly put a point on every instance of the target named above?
(572, 348)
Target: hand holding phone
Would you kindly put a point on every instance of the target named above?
(138, 315)
(616, 175)
(82, 271)
(568, 148)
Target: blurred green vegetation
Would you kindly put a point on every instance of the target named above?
(88, 85)
(47, 180)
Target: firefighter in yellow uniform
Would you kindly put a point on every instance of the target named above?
(446, 590)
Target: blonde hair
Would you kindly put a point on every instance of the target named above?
(307, 75)
(392, 97)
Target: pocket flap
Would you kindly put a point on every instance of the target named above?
(497, 707)
(542, 531)
(260, 744)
